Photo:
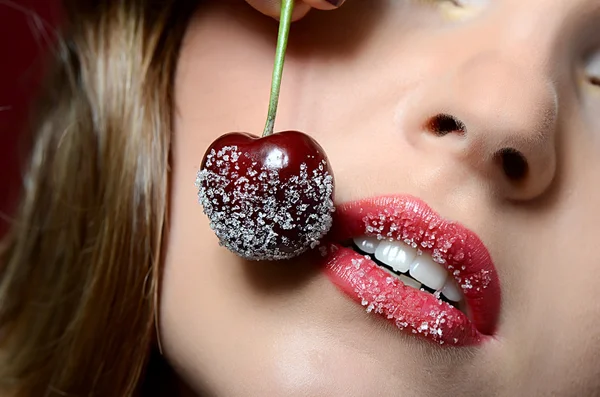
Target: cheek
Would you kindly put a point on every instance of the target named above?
(207, 314)
(553, 314)
(230, 331)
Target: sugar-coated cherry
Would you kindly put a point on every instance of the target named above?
(268, 198)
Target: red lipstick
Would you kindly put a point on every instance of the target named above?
(458, 250)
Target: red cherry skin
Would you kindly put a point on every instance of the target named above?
(268, 198)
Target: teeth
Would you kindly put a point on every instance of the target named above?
(451, 290)
(404, 259)
(425, 270)
(395, 254)
(410, 282)
(366, 244)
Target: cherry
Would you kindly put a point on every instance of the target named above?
(268, 198)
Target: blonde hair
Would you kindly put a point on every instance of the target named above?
(80, 264)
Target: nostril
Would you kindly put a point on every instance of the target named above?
(514, 164)
(444, 124)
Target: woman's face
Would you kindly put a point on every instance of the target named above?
(370, 82)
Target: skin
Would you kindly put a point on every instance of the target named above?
(272, 8)
(363, 80)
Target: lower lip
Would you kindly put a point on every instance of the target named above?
(414, 311)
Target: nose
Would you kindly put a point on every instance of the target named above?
(493, 115)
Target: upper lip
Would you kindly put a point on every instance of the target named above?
(452, 245)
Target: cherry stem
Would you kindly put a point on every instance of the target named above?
(285, 20)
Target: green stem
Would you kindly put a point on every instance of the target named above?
(285, 20)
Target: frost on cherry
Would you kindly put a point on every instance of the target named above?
(260, 214)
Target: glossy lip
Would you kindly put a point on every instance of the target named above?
(460, 251)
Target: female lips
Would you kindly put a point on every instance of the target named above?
(456, 249)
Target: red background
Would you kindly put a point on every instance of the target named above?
(25, 33)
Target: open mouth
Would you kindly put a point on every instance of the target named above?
(431, 277)
(413, 267)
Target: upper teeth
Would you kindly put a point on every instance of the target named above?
(397, 255)
(403, 258)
